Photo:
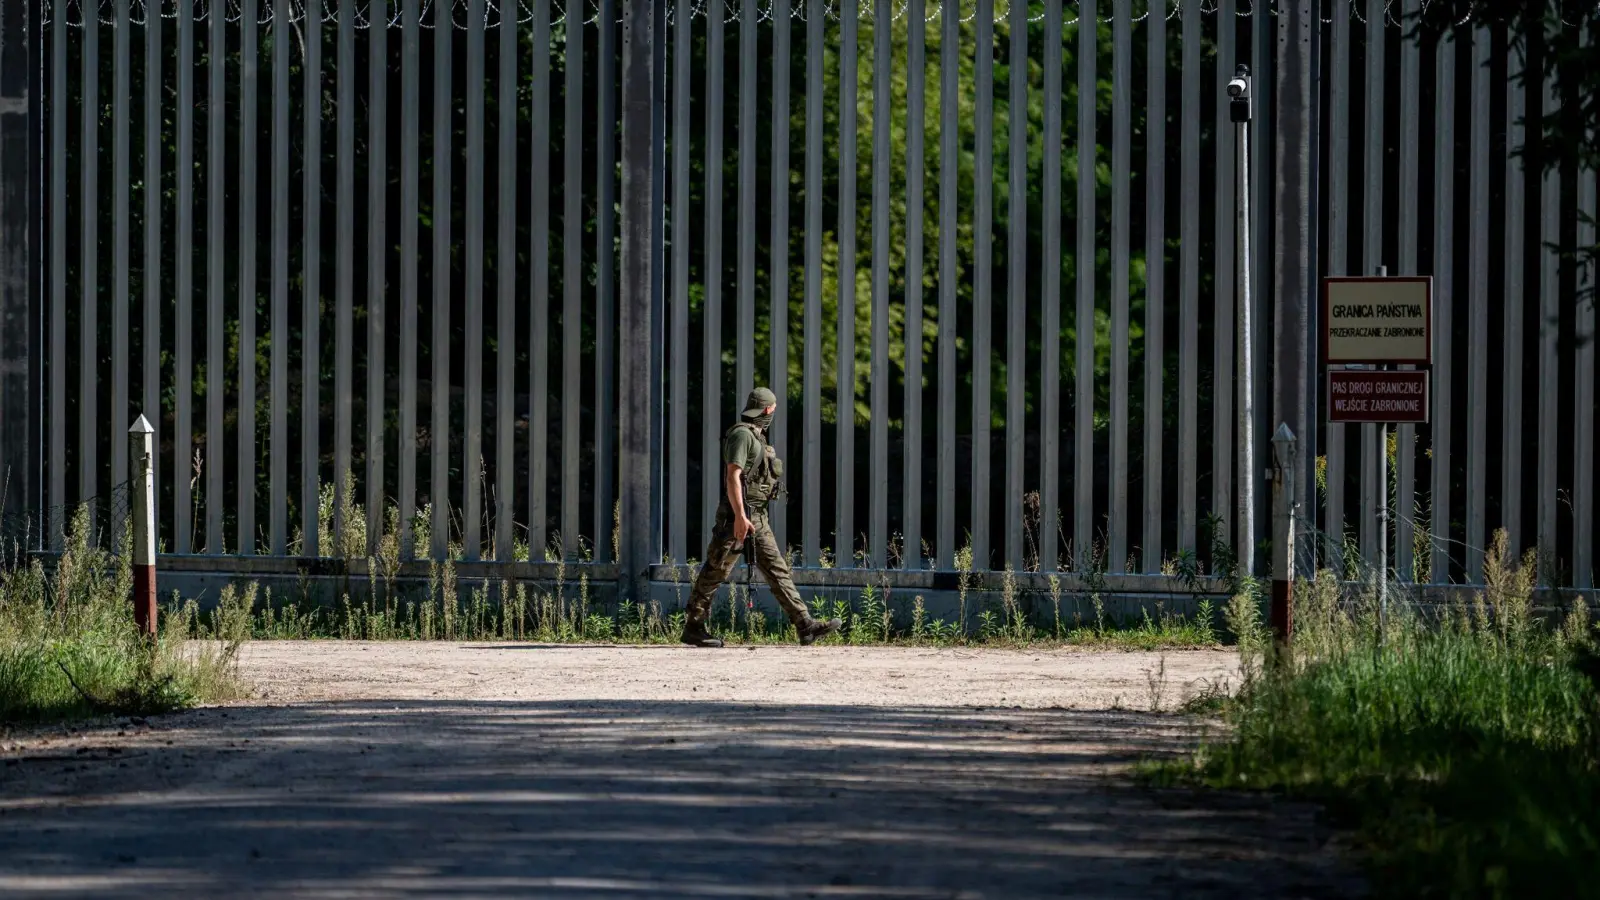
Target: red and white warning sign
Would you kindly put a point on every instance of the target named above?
(1365, 395)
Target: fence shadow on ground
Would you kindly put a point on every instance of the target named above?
(630, 798)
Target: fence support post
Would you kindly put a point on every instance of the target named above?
(1294, 126)
(20, 370)
(640, 349)
(1283, 505)
(143, 488)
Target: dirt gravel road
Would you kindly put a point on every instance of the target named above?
(461, 770)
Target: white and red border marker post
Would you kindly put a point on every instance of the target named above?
(142, 440)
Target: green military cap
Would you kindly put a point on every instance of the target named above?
(760, 399)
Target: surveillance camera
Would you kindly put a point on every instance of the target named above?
(1239, 92)
(1240, 85)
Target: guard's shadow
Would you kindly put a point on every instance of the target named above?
(644, 799)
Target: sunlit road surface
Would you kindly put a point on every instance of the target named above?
(429, 770)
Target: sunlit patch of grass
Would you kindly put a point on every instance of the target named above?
(1463, 749)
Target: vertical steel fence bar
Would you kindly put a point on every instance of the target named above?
(1224, 330)
(1584, 389)
(605, 427)
(811, 502)
(1410, 210)
(183, 352)
(1443, 305)
(278, 427)
(1478, 307)
(1084, 272)
(249, 49)
(119, 322)
(216, 275)
(89, 265)
(58, 279)
(572, 282)
(410, 253)
(882, 62)
(1050, 351)
(439, 343)
(1512, 301)
(344, 300)
(779, 361)
(711, 307)
(505, 269)
(949, 271)
(539, 326)
(1338, 240)
(844, 536)
(311, 289)
(1155, 254)
(1374, 488)
(1121, 213)
(154, 297)
(1016, 286)
(1549, 349)
(678, 438)
(744, 358)
(982, 281)
(472, 462)
(1263, 37)
(1189, 299)
(377, 258)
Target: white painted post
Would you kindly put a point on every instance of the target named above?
(143, 487)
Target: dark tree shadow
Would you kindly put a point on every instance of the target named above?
(612, 799)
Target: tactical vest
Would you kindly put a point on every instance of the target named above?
(764, 483)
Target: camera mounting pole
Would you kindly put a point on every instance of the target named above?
(1239, 110)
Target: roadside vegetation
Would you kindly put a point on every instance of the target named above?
(69, 648)
(1460, 744)
(447, 609)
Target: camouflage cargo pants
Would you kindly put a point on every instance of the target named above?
(721, 558)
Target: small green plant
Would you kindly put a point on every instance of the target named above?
(1055, 602)
(964, 582)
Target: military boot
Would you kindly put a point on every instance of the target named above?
(811, 629)
(696, 635)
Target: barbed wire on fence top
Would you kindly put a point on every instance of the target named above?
(328, 11)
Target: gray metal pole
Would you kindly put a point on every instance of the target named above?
(1245, 552)
(640, 94)
(88, 271)
(1295, 115)
(1382, 489)
(1283, 506)
(472, 452)
(249, 137)
(19, 128)
(344, 303)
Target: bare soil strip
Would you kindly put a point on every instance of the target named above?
(429, 769)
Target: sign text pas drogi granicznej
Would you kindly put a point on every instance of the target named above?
(1363, 395)
(1377, 321)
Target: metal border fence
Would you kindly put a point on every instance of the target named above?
(1043, 376)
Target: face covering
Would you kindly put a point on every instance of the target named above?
(761, 422)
